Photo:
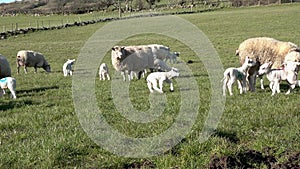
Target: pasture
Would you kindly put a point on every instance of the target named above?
(41, 129)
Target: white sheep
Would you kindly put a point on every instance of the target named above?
(5, 70)
(10, 83)
(104, 72)
(131, 58)
(263, 50)
(161, 77)
(275, 76)
(29, 58)
(237, 74)
(67, 67)
(292, 56)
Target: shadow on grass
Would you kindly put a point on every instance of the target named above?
(12, 104)
(232, 137)
(30, 92)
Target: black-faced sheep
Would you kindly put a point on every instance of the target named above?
(5, 70)
(263, 50)
(29, 58)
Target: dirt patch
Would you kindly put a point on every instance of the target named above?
(254, 159)
(143, 164)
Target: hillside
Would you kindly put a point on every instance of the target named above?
(54, 6)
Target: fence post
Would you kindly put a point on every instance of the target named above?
(17, 26)
(37, 24)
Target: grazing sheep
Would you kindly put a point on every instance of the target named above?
(10, 83)
(5, 70)
(263, 49)
(237, 74)
(103, 72)
(67, 67)
(161, 77)
(173, 57)
(131, 58)
(288, 73)
(29, 58)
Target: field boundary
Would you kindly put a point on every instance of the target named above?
(16, 31)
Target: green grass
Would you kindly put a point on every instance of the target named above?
(41, 130)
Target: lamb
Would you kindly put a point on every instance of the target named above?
(237, 74)
(10, 83)
(103, 72)
(262, 50)
(132, 58)
(5, 70)
(288, 73)
(172, 57)
(29, 58)
(161, 77)
(67, 67)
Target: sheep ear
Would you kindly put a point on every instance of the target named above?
(113, 49)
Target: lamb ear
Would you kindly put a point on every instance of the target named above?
(113, 49)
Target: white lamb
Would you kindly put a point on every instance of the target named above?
(237, 74)
(67, 67)
(10, 83)
(161, 77)
(103, 72)
(275, 76)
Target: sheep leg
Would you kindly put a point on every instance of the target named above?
(169, 81)
(292, 87)
(160, 85)
(154, 84)
(108, 77)
(241, 86)
(12, 92)
(123, 74)
(71, 73)
(225, 80)
(229, 85)
(252, 82)
(149, 84)
(25, 69)
(261, 83)
(35, 69)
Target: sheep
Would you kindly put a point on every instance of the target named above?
(10, 83)
(159, 51)
(5, 70)
(67, 67)
(262, 50)
(237, 74)
(131, 58)
(172, 57)
(288, 73)
(161, 66)
(103, 72)
(29, 58)
(161, 77)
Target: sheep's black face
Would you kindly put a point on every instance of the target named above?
(47, 68)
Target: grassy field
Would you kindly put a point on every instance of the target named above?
(41, 129)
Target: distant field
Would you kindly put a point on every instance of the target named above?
(41, 130)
